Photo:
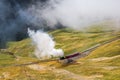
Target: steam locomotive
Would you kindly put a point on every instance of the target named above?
(70, 58)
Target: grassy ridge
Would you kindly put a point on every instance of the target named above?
(103, 62)
(108, 50)
(100, 62)
(78, 41)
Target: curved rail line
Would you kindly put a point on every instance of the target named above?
(84, 53)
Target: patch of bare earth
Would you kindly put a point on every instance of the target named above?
(110, 67)
(105, 58)
(5, 75)
(67, 74)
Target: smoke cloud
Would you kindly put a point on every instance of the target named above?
(45, 46)
(17, 15)
(81, 13)
(13, 23)
(12, 27)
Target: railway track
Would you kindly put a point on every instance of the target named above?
(83, 54)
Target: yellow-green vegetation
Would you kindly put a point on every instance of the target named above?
(75, 41)
(22, 48)
(103, 61)
(101, 64)
(24, 73)
(108, 50)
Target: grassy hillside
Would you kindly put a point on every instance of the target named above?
(104, 62)
(73, 41)
(101, 64)
(108, 50)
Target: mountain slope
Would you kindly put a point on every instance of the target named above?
(102, 63)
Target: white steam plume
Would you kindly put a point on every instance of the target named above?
(45, 46)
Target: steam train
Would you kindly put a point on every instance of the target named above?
(70, 58)
(75, 56)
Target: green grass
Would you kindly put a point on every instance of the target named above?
(70, 41)
(107, 50)
(90, 68)
(22, 48)
(6, 60)
(79, 41)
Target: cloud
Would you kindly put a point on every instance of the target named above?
(77, 14)
(80, 13)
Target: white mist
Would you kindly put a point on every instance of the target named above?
(44, 45)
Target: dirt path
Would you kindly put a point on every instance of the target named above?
(67, 74)
(105, 58)
(74, 76)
